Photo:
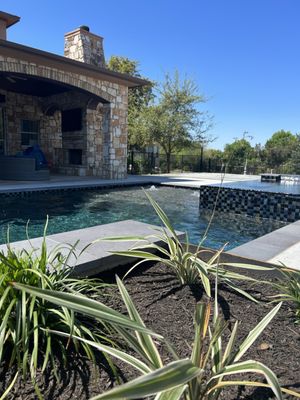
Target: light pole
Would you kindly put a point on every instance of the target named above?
(245, 134)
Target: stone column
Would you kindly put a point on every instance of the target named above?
(119, 134)
(81, 45)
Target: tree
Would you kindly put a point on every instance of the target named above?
(294, 162)
(215, 154)
(173, 121)
(237, 153)
(279, 148)
(138, 97)
(256, 160)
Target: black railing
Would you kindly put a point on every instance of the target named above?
(146, 163)
(140, 162)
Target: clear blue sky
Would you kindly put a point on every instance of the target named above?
(243, 54)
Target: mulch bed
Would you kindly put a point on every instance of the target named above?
(168, 308)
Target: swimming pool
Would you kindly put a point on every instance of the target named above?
(75, 209)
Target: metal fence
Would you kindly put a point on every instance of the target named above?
(140, 162)
(149, 163)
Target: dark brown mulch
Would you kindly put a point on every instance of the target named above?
(168, 308)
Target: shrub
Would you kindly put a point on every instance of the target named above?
(199, 377)
(184, 261)
(289, 288)
(25, 337)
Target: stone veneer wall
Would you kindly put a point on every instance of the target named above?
(69, 140)
(107, 150)
(279, 206)
(84, 46)
(20, 106)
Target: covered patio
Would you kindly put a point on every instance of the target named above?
(72, 107)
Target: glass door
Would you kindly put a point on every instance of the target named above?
(2, 131)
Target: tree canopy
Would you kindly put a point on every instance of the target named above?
(164, 114)
(168, 115)
(280, 154)
(138, 97)
(173, 120)
(237, 152)
(279, 148)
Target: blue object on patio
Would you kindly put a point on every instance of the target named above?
(36, 152)
(30, 165)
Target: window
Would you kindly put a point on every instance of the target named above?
(1, 131)
(71, 120)
(29, 132)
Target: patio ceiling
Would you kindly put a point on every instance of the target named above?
(35, 86)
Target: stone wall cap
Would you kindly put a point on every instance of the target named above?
(81, 30)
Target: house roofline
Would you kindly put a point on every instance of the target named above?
(9, 18)
(18, 51)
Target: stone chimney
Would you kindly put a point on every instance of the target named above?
(6, 20)
(81, 45)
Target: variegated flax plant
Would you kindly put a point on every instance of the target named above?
(202, 376)
(26, 341)
(182, 258)
(288, 286)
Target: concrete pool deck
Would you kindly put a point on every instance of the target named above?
(56, 182)
(92, 258)
(280, 246)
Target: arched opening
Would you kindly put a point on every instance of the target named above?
(41, 86)
(66, 121)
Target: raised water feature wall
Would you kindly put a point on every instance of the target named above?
(279, 206)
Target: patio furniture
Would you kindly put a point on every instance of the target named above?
(22, 169)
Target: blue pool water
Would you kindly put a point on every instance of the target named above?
(77, 209)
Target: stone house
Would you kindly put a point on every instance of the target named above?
(71, 105)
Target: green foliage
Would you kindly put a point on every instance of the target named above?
(170, 119)
(295, 157)
(123, 65)
(192, 148)
(237, 152)
(198, 377)
(279, 147)
(280, 154)
(138, 97)
(280, 139)
(174, 120)
(289, 288)
(214, 154)
(186, 263)
(25, 339)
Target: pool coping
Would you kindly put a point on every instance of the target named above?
(280, 247)
(91, 254)
(66, 183)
